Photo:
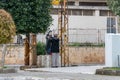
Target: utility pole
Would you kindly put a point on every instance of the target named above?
(63, 30)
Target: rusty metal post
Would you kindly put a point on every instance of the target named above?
(26, 55)
(33, 55)
(63, 33)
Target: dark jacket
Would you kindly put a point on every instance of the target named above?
(55, 45)
(48, 45)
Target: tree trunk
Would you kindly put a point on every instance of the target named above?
(27, 50)
(3, 54)
(33, 56)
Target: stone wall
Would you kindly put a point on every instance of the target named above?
(14, 55)
(86, 55)
(77, 55)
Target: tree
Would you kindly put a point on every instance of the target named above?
(30, 16)
(7, 27)
(114, 5)
(7, 31)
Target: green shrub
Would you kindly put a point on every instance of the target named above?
(40, 48)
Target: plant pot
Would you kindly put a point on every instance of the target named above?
(44, 61)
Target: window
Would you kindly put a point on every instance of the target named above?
(111, 13)
(106, 13)
(76, 12)
(69, 12)
(111, 25)
(54, 11)
(92, 4)
(79, 12)
(88, 12)
(103, 13)
(71, 3)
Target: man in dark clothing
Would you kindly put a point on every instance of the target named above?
(55, 51)
(48, 43)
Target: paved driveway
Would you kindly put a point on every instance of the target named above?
(64, 73)
(26, 75)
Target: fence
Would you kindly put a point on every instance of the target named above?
(86, 46)
(87, 35)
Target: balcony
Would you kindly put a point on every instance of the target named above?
(89, 0)
(86, 7)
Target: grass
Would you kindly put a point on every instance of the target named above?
(86, 44)
(4, 67)
(112, 68)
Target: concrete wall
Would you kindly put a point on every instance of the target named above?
(84, 22)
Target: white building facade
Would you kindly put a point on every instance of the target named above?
(89, 20)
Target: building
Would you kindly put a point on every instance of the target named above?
(89, 20)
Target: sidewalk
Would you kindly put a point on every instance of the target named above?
(29, 78)
(77, 69)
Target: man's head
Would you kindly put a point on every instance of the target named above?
(55, 35)
(50, 35)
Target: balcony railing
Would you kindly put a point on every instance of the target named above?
(91, 0)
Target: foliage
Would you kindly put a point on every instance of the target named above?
(40, 48)
(7, 27)
(4, 67)
(30, 16)
(114, 5)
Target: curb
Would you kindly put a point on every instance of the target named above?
(8, 70)
(27, 67)
(108, 72)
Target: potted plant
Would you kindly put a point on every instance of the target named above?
(43, 60)
(40, 48)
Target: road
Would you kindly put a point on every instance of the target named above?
(27, 75)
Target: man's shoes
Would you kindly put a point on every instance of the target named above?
(54, 66)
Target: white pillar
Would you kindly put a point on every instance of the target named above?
(97, 13)
(76, 3)
(117, 24)
(112, 50)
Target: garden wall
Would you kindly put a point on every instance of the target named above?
(86, 55)
(77, 55)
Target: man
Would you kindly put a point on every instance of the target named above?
(48, 42)
(55, 51)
